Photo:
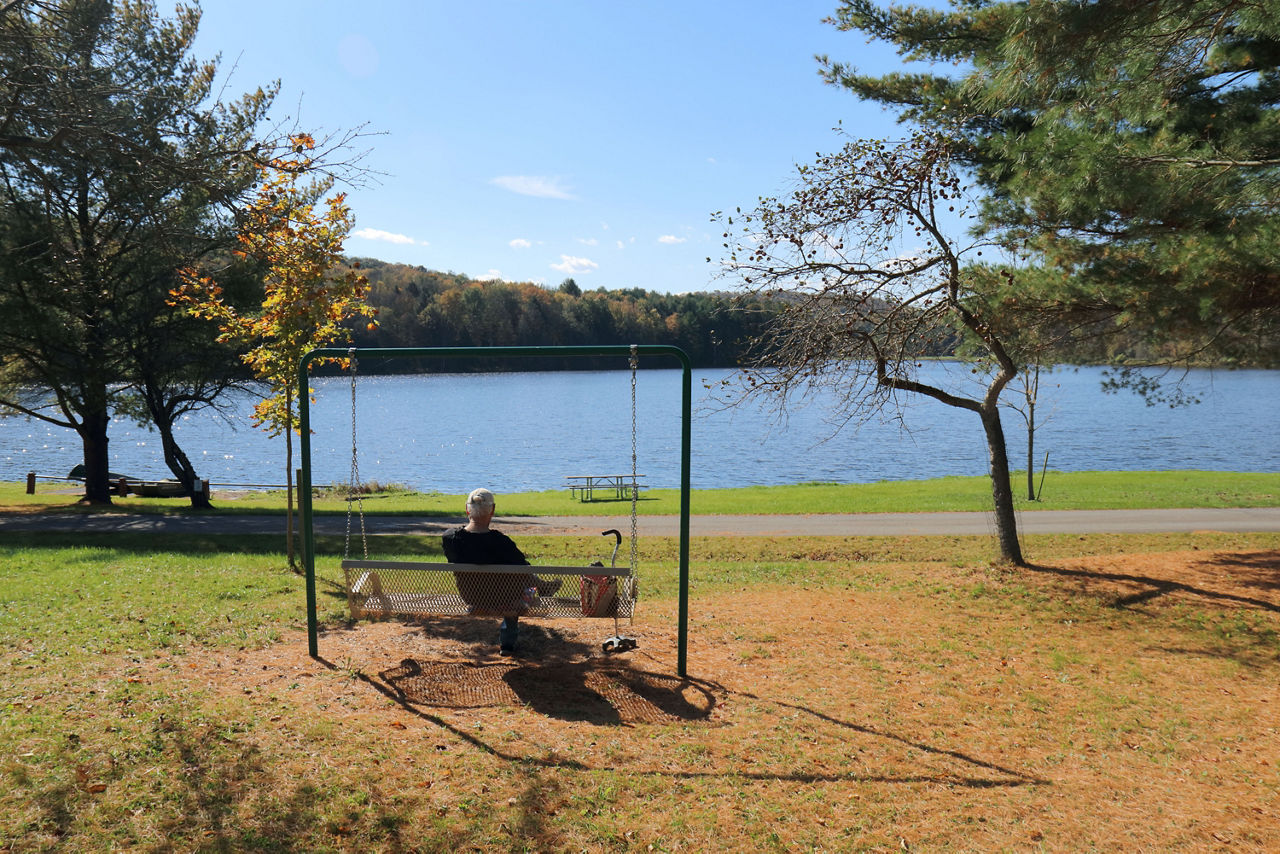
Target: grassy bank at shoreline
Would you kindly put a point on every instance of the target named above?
(1059, 491)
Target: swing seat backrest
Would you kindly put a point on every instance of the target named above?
(413, 588)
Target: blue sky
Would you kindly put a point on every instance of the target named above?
(534, 141)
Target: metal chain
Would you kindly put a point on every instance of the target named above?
(353, 492)
(635, 363)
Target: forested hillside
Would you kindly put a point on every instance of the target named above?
(424, 308)
(418, 307)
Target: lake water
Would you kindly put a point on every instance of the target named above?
(526, 431)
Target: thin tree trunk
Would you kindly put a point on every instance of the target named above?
(997, 452)
(288, 473)
(1001, 488)
(178, 462)
(1033, 392)
(174, 457)
(1031, 452)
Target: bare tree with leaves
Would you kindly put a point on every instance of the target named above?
(861, 255)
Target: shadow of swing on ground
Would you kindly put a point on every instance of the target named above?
(559, 671)
(599, 691)
(637, 697)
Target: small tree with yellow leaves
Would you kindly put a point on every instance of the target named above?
(308, 294)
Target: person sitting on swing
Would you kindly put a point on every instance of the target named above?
(505, 594)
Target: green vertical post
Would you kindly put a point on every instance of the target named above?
(686, 415)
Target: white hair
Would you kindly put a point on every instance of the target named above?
(480, 500)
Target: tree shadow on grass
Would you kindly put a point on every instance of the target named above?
(1239, 584)
(208, 779)
(1260, 570)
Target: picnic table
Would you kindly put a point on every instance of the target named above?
(583, 486)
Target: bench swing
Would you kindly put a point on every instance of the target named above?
(386, 588)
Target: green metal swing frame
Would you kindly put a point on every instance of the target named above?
(329, 353)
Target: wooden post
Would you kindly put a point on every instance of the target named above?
(204, 489)
(31, 483)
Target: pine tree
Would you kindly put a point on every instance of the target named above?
(120, 164)
(1132, 150)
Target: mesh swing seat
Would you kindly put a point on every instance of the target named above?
(384, 588)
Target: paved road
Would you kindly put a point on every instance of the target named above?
(862, 524)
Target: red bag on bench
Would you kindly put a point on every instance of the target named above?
(598, 595)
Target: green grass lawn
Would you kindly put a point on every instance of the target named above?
(157, 698)
(1061, 491)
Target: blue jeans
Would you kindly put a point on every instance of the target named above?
(508, 631)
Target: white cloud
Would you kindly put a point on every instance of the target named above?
(572, 264)
(491, 276)
(387, 237)
(671, 239)
(519, 243)
(588, 241)
(621, 245)
(533, 185)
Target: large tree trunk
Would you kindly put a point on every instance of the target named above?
(1001, 488)
(93, 439)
